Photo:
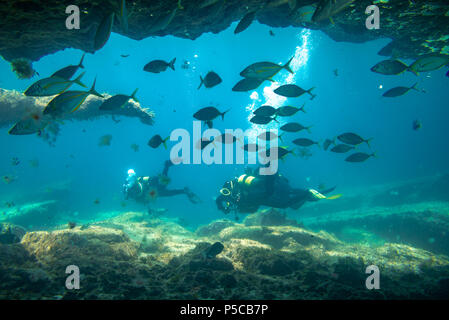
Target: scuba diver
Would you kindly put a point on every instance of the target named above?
(145, 189)
(249, 191)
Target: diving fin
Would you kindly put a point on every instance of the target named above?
(328, 190)
(317, 195)
(336, 196)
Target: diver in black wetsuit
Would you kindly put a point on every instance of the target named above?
(248, 192)
(145, 189)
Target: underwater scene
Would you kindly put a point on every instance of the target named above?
(224, 150)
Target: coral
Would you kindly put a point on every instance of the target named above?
(15, 106)
(23, 68)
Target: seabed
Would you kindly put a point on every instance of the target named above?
(268, 255)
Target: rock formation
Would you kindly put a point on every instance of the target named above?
(32, 29)
(132, 256)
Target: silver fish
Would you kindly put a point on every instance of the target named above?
(68, 101)
(52, 86)
(328, 8)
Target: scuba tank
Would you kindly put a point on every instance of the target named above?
(131, 185)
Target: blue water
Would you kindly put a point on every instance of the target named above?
(352, 101)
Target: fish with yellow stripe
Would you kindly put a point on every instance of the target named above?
(326, 9)
(31, 124)
(123, 17)
(301, 13)
(68, 72)
(118, 101)
(429, 62)
(68, 101)
(265, 70)
(52, 86)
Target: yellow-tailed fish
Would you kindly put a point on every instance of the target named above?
(68, 101)
(328, 8)
(390, 67)
(117, 101)
(429, 62)
(52, 86)
(68, 72)
(245, 22)
(123, 16)
(264, 70)
(30, 125)
(164, 21)
(104, 31)
(303, 14)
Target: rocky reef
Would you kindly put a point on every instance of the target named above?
(34, 28)
(14, 105)
(393, 212)
(396, 224)
(11, 233)
(269, 255)
(132, 256)
(417, 190)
